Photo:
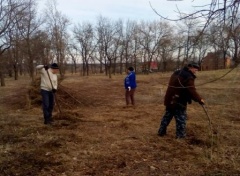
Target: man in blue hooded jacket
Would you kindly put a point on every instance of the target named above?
(130, 86)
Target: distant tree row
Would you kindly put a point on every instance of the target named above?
(28, 38)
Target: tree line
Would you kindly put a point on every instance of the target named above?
(29, 38)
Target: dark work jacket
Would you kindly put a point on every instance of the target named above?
(181, 89)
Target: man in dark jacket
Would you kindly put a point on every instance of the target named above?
(180, 92)
(130, 86)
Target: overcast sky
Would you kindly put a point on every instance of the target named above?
(79, 11)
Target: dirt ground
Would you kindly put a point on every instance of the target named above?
(94, 134)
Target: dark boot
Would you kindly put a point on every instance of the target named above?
(47, 122)
(162, 132)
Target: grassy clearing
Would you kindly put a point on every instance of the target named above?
(96, 135)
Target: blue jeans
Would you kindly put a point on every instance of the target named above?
(180, 117)
(47, 104)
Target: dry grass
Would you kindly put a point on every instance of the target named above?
(96, 135)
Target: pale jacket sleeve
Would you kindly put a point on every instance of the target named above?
(39, 66)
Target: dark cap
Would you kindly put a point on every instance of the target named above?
(193, 64)
(54, 66)
(130, 68)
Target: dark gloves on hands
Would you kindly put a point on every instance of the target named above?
(201, 102)
(46, 67)
(54, 90)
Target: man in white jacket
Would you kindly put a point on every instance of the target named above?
(49, 83)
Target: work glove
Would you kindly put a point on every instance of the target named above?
(46, 67)
(54, 90)
(201, 102)
(129, 88)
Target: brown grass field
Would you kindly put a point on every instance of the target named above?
(94, 134)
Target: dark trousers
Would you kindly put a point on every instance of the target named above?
(47, 104)
(180, 117)
(129, 95)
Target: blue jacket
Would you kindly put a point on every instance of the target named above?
(130, 81)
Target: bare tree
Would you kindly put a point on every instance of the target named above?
(72, 51)
(219, 10)
(84, 35)
(188, 28)
(28, 28)
(130, 44)
(234, 35)
(151, 35)
(57, 25)
(166, 50)
(9, 16)
(115, 50)
(108, 37)
(201, 46)
(222, 13)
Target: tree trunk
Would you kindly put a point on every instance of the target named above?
(2, 79)
(109, 71)
(16, 72)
